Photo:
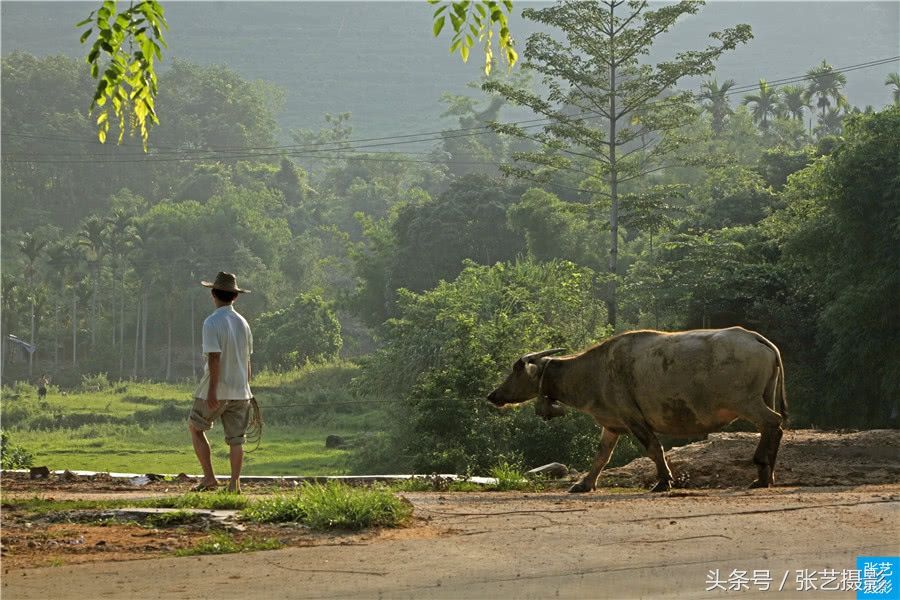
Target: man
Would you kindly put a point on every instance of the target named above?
(224, 391)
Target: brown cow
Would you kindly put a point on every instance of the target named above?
(649, 382)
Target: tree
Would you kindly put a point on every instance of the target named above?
(840, 240)
(830, 123)
(792, 101)
(468, 221)
(716, 102)
(307, 330)
(894, 80)
(92, 237)
(32, 248)
(764, 104)
(605, 107)
(826, 84)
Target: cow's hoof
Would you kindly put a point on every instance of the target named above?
(759, 483)
(663, 485)
(580, 488)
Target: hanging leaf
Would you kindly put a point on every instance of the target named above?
(124, 72)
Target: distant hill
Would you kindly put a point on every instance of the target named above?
(379, 61)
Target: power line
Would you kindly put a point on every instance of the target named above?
(295, 150)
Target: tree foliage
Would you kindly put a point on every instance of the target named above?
(125, 49)
(305, 331)
(448, 346)
(474, 21)
(607, 109)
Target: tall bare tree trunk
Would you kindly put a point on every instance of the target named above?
(144, 315)
(137, 337)
(31, 354)
(122, 325)
(193, 341)
(613, 186)
(94, 308)
(74, 329)
(169, 346)
(55, 335)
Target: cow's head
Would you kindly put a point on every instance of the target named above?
(522, 383)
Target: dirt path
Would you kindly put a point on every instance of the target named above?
(490, 545)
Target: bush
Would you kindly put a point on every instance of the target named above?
(13, 457)
(451, 345)
(332, 506)
(95, 383)
(307, 330)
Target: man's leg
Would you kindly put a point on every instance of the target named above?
(204, 455)
(235, 420)
(237, 462)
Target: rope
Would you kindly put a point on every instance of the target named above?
(254, 429)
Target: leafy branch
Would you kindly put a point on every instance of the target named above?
(125, 48)
(475, 21)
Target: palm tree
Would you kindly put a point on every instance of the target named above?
(792, 101)
(894, 80)
(143, 233)
(66, 259)
(764, 104)
(32, 248)
(92, 237)
(120, 235)
(716, 103)
(826, 84)
(831, 123)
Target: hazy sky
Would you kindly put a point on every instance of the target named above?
(379, 60)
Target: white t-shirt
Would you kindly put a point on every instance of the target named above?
(227, 332)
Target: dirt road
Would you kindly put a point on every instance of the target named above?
(546, 545)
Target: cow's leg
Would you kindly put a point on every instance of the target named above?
(769, 424)
(587, 483)
(655, 451)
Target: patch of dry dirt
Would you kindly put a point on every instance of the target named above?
(806, 458)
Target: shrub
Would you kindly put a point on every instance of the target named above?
(332, 506)
(94, 383)
(13, 457)
(451, 345)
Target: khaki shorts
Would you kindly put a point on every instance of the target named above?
(235, 416)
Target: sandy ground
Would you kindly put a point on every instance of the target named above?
(607, 544)
(546, 545)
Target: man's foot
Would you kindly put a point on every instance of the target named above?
(234, 486)
(205, 486)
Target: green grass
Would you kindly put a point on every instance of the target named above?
(142, 427)
(209, 501)
(223, 543)
(172, 519)
(332, 506)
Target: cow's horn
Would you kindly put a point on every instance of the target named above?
(536, 355)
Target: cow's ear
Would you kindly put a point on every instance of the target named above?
(531, 369)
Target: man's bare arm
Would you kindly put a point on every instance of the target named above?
(212, 398)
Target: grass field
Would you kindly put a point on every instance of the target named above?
(142, 427)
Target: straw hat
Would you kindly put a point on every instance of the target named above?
(226, 282)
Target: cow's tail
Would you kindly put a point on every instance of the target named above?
(780, 401)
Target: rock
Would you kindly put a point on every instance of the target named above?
(335, 441)
(182, 477)
(68, 476)
(549, 471)
(39, 472)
